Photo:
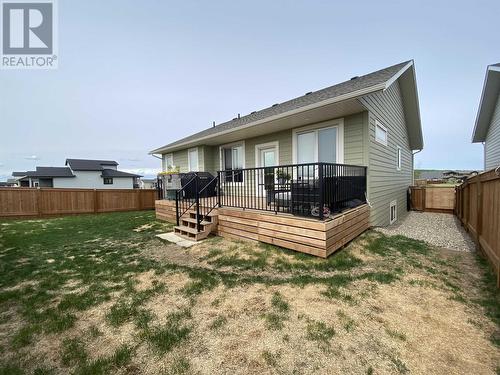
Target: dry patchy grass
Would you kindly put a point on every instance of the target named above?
(129, 303)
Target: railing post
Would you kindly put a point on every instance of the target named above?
(321, 190)
(197, 203)
(177, 207)
(218, 188)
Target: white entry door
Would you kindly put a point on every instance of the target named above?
(267, 156)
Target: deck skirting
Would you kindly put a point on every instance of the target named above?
(311, 236)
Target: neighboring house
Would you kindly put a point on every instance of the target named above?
(8, 183)
(443, 176)
(371, 121)
(148, 183)
(79, 173)
(487, 126)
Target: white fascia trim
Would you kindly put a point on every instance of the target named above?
(476, 123)
(394, 78)
(340, 98)
(494, 68)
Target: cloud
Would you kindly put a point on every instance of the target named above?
(1, 164)
(146, 172)
(32, 157)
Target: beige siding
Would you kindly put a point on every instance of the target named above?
(284, 139)
(354, 139)
(385, 182)
(181, 160)
(492, 143)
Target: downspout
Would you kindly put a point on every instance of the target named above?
(413, 166)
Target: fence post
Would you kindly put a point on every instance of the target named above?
(95, 200)
(39, 201)
(479, 204)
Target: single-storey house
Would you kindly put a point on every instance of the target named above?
(318, 156)
(487, 126)
(79, 173)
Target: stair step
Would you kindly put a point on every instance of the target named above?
(190, 233)
(193, 220)
(211, 214)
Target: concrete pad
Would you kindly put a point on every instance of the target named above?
(172, 237)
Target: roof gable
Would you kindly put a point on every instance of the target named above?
(489, 96)
(89, 164)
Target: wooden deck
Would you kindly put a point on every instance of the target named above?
(306, 235)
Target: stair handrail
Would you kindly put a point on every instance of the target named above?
(178, 197)
(208, 207)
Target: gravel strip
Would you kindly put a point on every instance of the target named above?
(443, 230)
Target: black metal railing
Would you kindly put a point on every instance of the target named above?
(184, 201)
(313, 189)
(310, 190)
(198, 196)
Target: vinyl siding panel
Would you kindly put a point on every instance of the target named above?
(492, 142)
(354, 139)
(385, 182)
(284, 139)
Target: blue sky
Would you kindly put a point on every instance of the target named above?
(134, 76)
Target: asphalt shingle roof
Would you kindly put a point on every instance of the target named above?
(352, 85)
(46, 172)
(115, 173)
(89, 165)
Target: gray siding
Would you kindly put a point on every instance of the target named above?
(385, 182)
(492, 143)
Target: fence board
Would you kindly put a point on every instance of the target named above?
(478, 208)
(433, 199)
(27, 202)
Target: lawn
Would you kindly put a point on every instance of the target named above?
(97, 294)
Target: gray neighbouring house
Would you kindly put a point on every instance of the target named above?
(487, 126)
(371, 122)
(79, 173)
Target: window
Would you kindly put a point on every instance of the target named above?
(108, 181)
(393, 213)
(380, 133)
(232, 159)
(168, 162)
(193, 160)
(399, 159)
(318, 144)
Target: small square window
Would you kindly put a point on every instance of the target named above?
(380, 133)
(399, 159)
(393, 211)
(108, 181)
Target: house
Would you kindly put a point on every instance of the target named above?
(443, 176)
(315, 156)
(79, 173)
(149, 183)
(487, 126)
(9, 183)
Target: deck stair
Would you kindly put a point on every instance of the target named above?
(187, 226)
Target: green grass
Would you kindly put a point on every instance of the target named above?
(166, 337)
(319, 332)
(218, 322)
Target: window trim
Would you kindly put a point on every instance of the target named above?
(379, 124)
(393, 203)
(190, 169)
(399, 158)
(337, 123)
(166, 156)
(107, 178)
(221, 159)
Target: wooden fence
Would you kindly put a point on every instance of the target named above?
(27, 202)
(433, 198)
(478, 208)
